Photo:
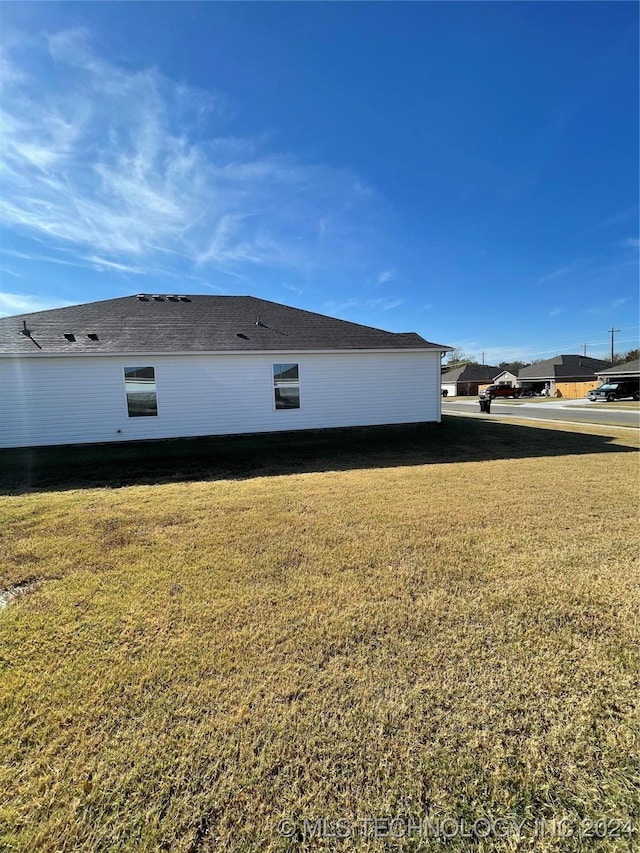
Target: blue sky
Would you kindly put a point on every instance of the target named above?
(468, 171)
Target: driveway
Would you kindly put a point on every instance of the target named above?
(574, 411)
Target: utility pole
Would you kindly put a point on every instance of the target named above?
(483, 357)
(613, 331)
(584, 349)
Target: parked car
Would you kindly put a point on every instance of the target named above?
(628, 389)
(492, 391)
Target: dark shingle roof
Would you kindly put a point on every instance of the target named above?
(563, 367)
(191, 324)
(628, 368)
(470, 373)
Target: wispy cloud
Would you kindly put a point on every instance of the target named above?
(618, 218)
(631, 243)
(605, 308)
(99, 264)
(137, 171)
(573, 267)
(384, 303)
(386, 275)
(555, 312)
(20, 303)
(297, 290)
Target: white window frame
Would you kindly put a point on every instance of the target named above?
(126, 367)
(293, 383)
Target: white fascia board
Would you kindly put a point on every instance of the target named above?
(151, 354)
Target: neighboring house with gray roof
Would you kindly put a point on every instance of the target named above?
(568, 376)
(626, 370)
(465, 380)
(165, 366)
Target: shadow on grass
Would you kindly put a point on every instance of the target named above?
(241, 457)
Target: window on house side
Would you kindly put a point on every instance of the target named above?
(286, 386)
(140, 386)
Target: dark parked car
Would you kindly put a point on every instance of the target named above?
(628, 389)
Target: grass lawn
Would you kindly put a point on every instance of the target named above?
(426, 623)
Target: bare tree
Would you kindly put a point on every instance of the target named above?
(458, 356)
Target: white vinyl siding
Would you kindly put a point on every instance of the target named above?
(72, 400)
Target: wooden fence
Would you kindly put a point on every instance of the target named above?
(575, 390)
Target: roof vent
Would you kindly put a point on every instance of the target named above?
(184, 299)
(70, 336)
(92, 336)
(141, 297)
(244, 337)
(157, 298)
(172, 298)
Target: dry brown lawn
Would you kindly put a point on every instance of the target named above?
(422, 640)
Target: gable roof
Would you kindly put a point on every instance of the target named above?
(470, 373)
(627, 368)
(565, 367)
(511, 367)
(184, 324)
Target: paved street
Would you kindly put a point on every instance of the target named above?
(575, 411)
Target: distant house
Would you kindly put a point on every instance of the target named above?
(506, 377)
(627, 370)
(166, 366)
(464, 381)
(569, 376)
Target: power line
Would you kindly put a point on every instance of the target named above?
(531, 351)
(553, 344)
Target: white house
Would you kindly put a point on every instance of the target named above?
(166, 366)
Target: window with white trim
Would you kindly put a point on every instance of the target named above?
(140, 387)
(286, 386)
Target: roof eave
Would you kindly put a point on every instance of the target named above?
(180, 353)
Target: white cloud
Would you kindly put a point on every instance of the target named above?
(136, 170)
(385, 303)
(21, 303)
(101, 264)
(555, 312)
(386, 275)
(631, 243)
(578, 265)
(604, 309)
